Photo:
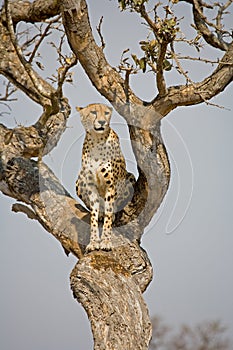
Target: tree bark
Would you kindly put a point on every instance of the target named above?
(113, 302)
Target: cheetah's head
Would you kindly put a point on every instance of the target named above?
(95, 117)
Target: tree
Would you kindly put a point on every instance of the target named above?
(204, 336)
(108, 285)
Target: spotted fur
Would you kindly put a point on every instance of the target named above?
(103, 184)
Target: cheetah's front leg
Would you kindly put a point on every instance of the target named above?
(106, 243)
(94, 237)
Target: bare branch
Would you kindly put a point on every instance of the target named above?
(26, 65)
(14, 71)
(199, 92)
(42, 36)
(100, 33)
(21, 69)
(10, 90)
(36, 11)
(219, 17)
(128, 69)
(161, 85)
(204, 60)
(179, 67)
(70, 62)
(106, 79)
(21, 208)
(201, 23)
(66, 63)
(189, 81)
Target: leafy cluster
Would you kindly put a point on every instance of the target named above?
(167, 29)
(162, 31)
(161, 48)
(151, 52)
(133, 4)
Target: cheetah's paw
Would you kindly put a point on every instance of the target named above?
(106, 245)
(92, 246)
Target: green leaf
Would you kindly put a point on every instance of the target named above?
(142, 64)
(135, 58)
(167, 65)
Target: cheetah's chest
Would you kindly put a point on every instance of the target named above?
(103, 164)
(95, 158)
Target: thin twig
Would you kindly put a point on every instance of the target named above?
(8, 92)
(98, 28)
(42, 36)
(180, 68)
(70, 62)
(161, 85)
(29, 42)
(205, 60)
(219, 16)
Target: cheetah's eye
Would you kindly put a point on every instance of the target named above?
(94, 112)
(107, 113)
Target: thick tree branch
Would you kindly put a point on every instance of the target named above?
(105, 78)
(35, 140)
(21, 208)
(209, 37)
(13, 69)
(36, 11)
(201, 24)
(192, 94)
(36, 81)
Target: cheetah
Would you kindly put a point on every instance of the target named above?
(103, 183)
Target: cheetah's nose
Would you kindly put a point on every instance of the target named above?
(102, 122)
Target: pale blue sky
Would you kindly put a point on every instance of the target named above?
(189, 241)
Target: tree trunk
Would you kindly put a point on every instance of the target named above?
(113, 301)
